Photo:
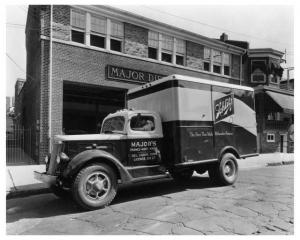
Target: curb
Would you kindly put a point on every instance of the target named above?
(280, 163)
(26, 193)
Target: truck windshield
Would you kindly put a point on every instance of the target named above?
(113, 125)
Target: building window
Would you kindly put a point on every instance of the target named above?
(153, 45)
(167, 48)
(258, 71)
(78, 23)
(117, 35)
(98, 32)
(152, 53)
(274, 78)
(270, 137)
(226, 64)
(180, 51)
(217, 61)
(116, 45)
(166, 57)
(274, 116)
(206, 63)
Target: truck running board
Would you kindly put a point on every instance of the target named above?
(147, 178)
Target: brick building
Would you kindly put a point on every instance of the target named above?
(81, 60)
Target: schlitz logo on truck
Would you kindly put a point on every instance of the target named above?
(224, 107)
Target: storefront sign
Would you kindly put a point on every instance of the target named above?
(224, 107)
(130, 75)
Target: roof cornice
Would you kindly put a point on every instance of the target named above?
(265, 51)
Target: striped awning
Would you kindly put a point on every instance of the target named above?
(286, 102)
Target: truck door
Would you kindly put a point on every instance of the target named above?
(223, 111)
(144, 145)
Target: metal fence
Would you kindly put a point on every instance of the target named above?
(19, 147)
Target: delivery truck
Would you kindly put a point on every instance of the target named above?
(174, 127)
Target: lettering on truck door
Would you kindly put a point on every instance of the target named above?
(144, 147)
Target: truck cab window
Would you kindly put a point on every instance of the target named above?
(142, 123)
(114, 124)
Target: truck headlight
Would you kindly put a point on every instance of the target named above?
(57, 159)
(46, 159)
(64, 157)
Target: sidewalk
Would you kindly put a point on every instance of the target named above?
(20, 181)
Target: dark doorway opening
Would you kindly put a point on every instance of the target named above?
(85, 106)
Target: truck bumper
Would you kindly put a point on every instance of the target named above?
(45, 178)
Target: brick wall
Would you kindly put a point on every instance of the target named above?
(61, 22)
(44, 99)
(194, 55)
(136, 40)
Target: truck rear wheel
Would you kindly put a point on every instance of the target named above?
(95, 186)
(226, 172)
(182, 176)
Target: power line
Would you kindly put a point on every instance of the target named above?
(216, 27)
(11, 59)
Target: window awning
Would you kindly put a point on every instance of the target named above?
(286, 102)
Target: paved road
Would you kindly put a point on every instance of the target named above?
(261, 202)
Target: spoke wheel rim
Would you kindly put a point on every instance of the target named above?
(229, 169)
(97, 186)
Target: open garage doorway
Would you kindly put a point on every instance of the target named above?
(85, 106)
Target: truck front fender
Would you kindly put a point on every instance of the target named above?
(229, 149)
(96, 156)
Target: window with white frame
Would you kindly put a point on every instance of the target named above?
(217, 61)
(117, 35)
(167, 48)
(207, 58)
(153, 44)
(78, 23)
(226, 64)
(258, 71)
(270, 137)
(180, 51)
(98, 32)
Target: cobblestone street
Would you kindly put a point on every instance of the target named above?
(261, 202)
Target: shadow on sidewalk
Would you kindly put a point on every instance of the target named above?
(48, 205)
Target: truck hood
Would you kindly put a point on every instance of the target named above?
(89, 137)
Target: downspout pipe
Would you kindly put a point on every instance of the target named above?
(50, 82)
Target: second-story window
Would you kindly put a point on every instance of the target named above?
(226, 64)
(78, 23)
(206, 62)
(98, 32)
(217, 61)
(167, 48)
(117, 35)
(180, 51)
(153, 45)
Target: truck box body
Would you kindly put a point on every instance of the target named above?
(199, 117)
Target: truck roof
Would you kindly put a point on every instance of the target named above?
(189, 79)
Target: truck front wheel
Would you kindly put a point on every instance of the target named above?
(226, 172)
(95, 186)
